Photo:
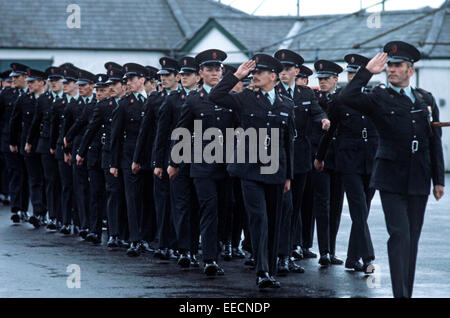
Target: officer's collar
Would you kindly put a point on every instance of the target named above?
(286, 87)
(207, 88)
(407, 89)
(143, 93)
(186, 90)
(60, 95)
(87, 100)
(69, 98)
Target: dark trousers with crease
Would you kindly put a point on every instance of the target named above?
(263, 204)
(67, 201)
(4, 175)
(149, 227)
(404, 215)
(359, 196)
(291, 222)
(52, 186)
(185, 213)
(36, 184)
(19, 191)
(115, 204)
(327, 204)
(234, 220)
(307, 214)
(214, 196)
(81, 193)
(164, 220)
(97, 199)
(134, 197)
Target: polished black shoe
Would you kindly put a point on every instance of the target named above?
(237, 252)
(84, 233)
(90, 237)
(355, 265)
(34, 221)
(335, 261)
(283, 265)
(51, 226)
(59, 225)
(76, 230)
(96, 239)
(324, 260)
(227, 255)
(308, 254)
(158, 253)
(294, 268)
(297, 253)
(133, 251)
(194, 261)
(368, 268)
(220, 271)
(184, 261)
(211, 269)
(165, 254)
(42, 220)
(263, 280)
(172, 255)
(275, 283)
(15, 218)
(24, 216)
(123, 243)
(145, 247)
(65, 230)
(250, 261)
(112, 242)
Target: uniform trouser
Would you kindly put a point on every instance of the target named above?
(4, 175)
(52, 186)
(81, 193)
(164, 220)
(235, 218)
(404, 215)
(214, 196)
(134, 199)
(247, 242)
(307, 214)
(19, 191)
(149, 227)
(67, 202)
(97, 199)
(185, 213)
(359, 196)
(263, 204)
(36, 183)
(115, 204)
(328, 199)
(292, 222)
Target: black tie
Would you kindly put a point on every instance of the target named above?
(290, 92)
(267, 96)
(402, 92)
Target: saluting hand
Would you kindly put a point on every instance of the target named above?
(245, 69)
(377, 64)
(438, 191)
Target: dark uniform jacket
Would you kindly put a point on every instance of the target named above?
(307, 112)
(76, 132)
(20, 122)
(60, 109)
(145, 146)
(199, 106)
(255, 111)
(410, 152)
(356, 140)
(126, 122)
(8, 97)
(41, 126)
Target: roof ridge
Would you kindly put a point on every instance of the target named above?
(179, 17)
(219, 4)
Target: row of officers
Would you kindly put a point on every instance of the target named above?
(83, 157)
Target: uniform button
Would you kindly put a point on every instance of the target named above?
(268, 124)
(365, 140)
(413, 121)
(392, 112)
(218, 118)
(415, 136)
(270, 113)
(215, 106)
(363, 117)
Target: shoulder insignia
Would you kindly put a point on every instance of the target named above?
(132, 101)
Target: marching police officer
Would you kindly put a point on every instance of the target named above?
(306, 111)
(59, 112)
(72, 140)
(357, 141)
(40, 132)
(328, 192)
(20, 123)
(409, 154)
(262, 191)
(126, 122)
(15, 165)
(211, 180)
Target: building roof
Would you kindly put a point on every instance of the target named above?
(113, 24)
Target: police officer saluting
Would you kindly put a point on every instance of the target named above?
(409, 155)
(262, 192)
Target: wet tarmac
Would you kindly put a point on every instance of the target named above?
(36, 263)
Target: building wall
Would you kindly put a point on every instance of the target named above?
(90, 60)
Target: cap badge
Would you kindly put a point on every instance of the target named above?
(185, 62)
(99, 78)
(132, 101)
(126, 68)
(14, 67)
(164, 62)
(321, 66)
(395, 48)
(52, 70)
(352, 59)
(110, 103)
(283, 55)
(65, 72)
(214, 55)
(257, 60)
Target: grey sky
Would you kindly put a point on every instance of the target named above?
(314, 7)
